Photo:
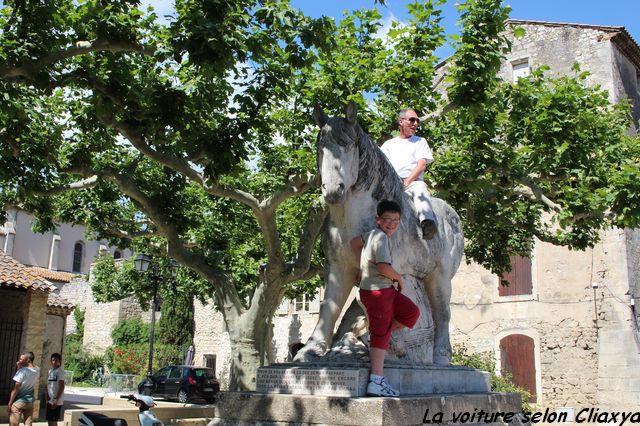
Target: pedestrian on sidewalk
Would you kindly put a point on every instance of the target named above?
(22, 395)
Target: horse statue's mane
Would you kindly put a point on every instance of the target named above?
(375, 169)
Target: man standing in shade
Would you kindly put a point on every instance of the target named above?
(409, 155)
(22, 394)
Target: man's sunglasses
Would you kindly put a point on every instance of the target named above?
(412, 120)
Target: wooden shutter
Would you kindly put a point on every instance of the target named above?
(519, 278)
(517, 356)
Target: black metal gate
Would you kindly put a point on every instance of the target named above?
(10, 335)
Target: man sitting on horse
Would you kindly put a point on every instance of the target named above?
(409, 155)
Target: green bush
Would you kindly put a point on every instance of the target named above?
(134, 358)
(82, 363)
(130, 331)
(129, 353)
(485, 361)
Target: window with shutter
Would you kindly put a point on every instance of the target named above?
(518, 281)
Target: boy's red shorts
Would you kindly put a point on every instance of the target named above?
(383, 306)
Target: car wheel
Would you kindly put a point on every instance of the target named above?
(183, 396)
(210, 400)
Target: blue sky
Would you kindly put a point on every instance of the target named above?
(624, 13)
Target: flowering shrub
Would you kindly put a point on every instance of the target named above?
(129, 359)
(134, 359)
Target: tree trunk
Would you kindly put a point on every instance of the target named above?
(251, 336)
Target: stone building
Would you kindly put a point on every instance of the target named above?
(566, 328)
(65, 249)
(31, 319)
(64, 257)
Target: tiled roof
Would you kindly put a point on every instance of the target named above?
(52, 275)
(58, 305)
(15, 274)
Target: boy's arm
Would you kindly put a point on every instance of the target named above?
(60, 393)
(356, 245)
(388, 271)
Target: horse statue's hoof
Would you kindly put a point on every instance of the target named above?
(441, 360)
(312, 351)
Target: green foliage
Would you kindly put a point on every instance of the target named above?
(176, 323)
(128, 359)
(485, 361)
(191, 138)
(129, 353)
(82, 363)
(134, 358)
(130, 331)
(78, 316)
(538, 172)
(479, 51)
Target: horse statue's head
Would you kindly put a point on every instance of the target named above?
(348, 159)
(337, 145)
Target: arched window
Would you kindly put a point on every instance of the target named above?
(117, 254)
(78, 253)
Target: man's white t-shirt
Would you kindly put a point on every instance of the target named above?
(27, 377)
(405, 153)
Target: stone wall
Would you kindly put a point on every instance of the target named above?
(211, 338)
(78, 292)
(578, 362)
(560, 47)
(101, 318)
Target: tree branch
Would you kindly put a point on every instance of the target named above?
(297, 185)
(317, 216)
(313, 271)
(30, 69)
(227, 295)
(81, 184)
(175, 163)
(534, 191)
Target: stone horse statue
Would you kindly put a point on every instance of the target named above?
(356, 175)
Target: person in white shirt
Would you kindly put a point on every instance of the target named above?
(55, 390)
(410, 155)
(23, 392)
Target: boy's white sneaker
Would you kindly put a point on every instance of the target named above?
(381, 389)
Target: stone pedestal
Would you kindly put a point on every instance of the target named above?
(351, 380)
(235, 408)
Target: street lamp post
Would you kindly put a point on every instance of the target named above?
(142, 263)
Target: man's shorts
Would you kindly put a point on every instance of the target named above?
(383, 306)
(53, 414)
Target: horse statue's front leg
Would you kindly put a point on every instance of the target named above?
(438, 289)
(339, 280)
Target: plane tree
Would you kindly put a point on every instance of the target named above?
(190, 138)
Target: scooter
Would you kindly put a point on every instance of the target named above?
(145, 415)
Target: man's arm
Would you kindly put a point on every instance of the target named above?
(420, 167)
(12, 397)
